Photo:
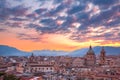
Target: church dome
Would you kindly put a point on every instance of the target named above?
(90, 51)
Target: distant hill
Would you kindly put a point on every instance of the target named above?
(49, 53)
(11, 51)
(97, 49)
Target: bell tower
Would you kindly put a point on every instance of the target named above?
(102, 56)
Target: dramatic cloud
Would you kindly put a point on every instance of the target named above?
(23, 36)
(77, 20)
(2, 30)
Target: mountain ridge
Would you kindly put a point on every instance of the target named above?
(11, 51)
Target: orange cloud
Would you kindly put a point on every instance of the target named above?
(52, 42)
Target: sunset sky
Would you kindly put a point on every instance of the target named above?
(59, 24)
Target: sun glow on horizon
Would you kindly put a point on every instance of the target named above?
(52, 42)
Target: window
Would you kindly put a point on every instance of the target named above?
(51, 68)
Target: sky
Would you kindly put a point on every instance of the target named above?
(59, 24)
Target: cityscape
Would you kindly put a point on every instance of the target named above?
(59, 39)
(88, 67)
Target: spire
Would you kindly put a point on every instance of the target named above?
(103, 50)
(32, 58)
(90, 47)
(32, 55)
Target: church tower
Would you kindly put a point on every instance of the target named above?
(102, 56)
(90, 57)
(32, 58)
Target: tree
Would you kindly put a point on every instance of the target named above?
(10, 77)
(2, 74)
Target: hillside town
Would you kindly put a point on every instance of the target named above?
(88, 67)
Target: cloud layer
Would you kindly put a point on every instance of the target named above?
(77, 20)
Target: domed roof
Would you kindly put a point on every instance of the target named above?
(90, 51)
